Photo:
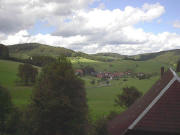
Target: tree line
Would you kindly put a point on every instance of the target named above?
(4, 52)
(27, 73)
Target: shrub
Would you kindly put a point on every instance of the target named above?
(27, 73)
(128, 97)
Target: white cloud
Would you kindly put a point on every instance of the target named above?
(88, 30)
(16, 15)
(24, 37)
(176, 24)
(98, 23)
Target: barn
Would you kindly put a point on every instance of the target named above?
(156, 113)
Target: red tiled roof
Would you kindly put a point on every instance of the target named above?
(79, 70)
(165, 114)
(120, 124)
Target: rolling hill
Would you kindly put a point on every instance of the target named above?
(111, 62)
(27, 50)
(30, 49)
(24, 51)
(163, 56)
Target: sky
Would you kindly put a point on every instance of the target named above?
(92, 26)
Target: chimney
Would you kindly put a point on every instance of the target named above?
(162, 71)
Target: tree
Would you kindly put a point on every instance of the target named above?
(59, 105)
(93, 81)
(5, 108)
(101, 126)
(27, 73)
(128, 97)
(88, 70)
(107, 82)
(40, 60)
(102, 122)
(13, 122)
(178, 66)
(4, 52)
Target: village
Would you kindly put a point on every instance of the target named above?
(114, 75)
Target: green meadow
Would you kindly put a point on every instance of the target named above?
(149, 66)
(8, 77)
(100, 98)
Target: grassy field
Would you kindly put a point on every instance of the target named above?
(150, 66)
(8, 76)
(100, 99)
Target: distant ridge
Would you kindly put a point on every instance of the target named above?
(27, 50)
(30, 49)
(148, 56)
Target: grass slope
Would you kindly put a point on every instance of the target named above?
(24, 51)
(149, 66)
(8, 76)
(101, 99)
(170, 57)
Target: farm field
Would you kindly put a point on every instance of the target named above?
(8, 75)
(100, 99)
(149, 66)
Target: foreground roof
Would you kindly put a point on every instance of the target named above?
(158, 111)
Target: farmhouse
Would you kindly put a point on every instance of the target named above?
(104, 75)
(79, 72)
(156, 113)
(118, 74)
(110, 75)
(140, 74)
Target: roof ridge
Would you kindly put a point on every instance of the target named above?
(175, 74)
(155, 100)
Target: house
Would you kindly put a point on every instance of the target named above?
(128, 72)
(104, 75)
(140, 74)
(79, 72)
(100, 75)
(156, 113)
(110, 75)
(117, 74)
